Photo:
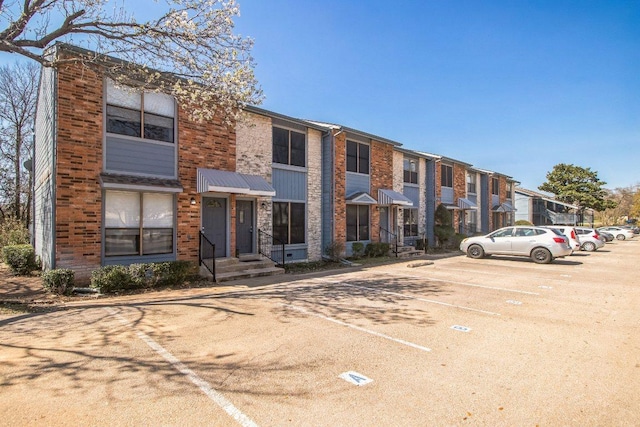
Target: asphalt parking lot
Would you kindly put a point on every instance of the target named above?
(497, 342)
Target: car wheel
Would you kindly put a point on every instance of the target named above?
(589, 246)
(620, 237)
(475, 251)
(541, 256)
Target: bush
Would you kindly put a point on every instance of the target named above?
(21, 259)
(59, 281)
(443, 229)
(141, 276)
(13, 232)
(523, 222)
(357, 249)
(334, 250)
(374, 250)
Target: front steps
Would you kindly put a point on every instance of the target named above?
(246, 266)
(406, 252)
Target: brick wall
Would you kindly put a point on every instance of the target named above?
(459, 190)
(314, 195)
(78, 203)
(382, 177)
(340, 220)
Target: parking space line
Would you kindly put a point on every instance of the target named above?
(203, 385)
(461, 307)
(357, 328)
(473, 285)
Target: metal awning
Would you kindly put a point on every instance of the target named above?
(361, 198)
(390, 197)
(451, 206)
(218, 181)
(466, 204)
(503, 207)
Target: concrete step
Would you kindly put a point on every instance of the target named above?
(409, 254)
(246, 274)
(245, 265)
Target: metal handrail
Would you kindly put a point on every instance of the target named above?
(391, 237)
(207, 248)
(266, 245)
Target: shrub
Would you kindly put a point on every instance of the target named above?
(357, 249)
(59, 281)
(141, 276)
(112, 278)
(21, 259)
(523, 222)
(334, 250)
(379, 249)
(443, 229)
(456, 240)
(13, 232)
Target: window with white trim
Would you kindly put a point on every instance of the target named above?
(289, 147)
(410, 217)
(357, 157)
(145, 115)
(289, 222)
(138, 223)
(357, 223)
(471, 183)
(410, 167)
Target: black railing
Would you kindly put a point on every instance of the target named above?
(271, 247)
(388, 237)
(207, 255)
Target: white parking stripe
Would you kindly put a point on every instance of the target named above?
(473, 285)
(461, 307)
(358, 328)
(204, 386)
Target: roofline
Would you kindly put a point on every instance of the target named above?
(415, 153)
(370, 136)
(264, 112)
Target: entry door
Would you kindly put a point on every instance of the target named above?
(244, 226)
(384, 223)
(214, 223)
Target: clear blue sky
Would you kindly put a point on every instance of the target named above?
(510, 86)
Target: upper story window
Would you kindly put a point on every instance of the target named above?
(410, 171)
(446, 176)
(138, 114)
(289, 147)
(471, 183)
(509, 189)
(495, 186)
(357, 157)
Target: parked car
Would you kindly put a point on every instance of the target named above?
(569, 232)
(542, 245)
(605, 236)
(589, 239)
(618, 232)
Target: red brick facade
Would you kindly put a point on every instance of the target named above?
(79, 162)
(340, 176)
(381, 178)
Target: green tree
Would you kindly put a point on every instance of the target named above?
(634, 212)
(443, 228)
(577, 186)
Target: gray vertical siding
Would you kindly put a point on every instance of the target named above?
(412, 193)
(430, 187)
(486, 203)
(290, 185)
(447, 195)
(140, 157)
(327, 190)
(357, 182)
(44, 170)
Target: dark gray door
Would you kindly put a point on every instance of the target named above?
(214, 223)
(384, 224)
(244, 226)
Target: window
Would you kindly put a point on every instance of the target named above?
(138, 223)
(410, 222)
(471, 183)
(509, 189)
(357, 223)
(357, 157)
(289, 222)
(495, 186)
(507, 232)
(410, 171)
(446, 176)
(289, 147)
(145, 115)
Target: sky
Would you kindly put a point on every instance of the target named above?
(511, 86)
(506, 85)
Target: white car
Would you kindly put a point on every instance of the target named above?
(618, 232)
(589, 239)
(570, 232)
(542, 245)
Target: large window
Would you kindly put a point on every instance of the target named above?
(446, 176)
(138, 223)
(509, 189)
(410, 167)
(357, 157)
(410, 222)
(357, 223)
(289, 147)
(138, 114)
(471, 183)
(289, 222)
(495, 186)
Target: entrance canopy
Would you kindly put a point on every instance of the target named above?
(218, 181)
(390, 197)
(503, 207)
(466, 204)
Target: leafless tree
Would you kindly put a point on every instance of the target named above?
(18, 95)
(189, 51)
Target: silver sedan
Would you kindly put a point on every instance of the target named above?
(542, 245)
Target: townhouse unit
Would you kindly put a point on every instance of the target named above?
(541, 209)
(125, 176)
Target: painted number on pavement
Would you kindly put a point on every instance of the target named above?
(460, 328)
(355, 378)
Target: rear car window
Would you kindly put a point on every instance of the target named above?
(558, 232)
